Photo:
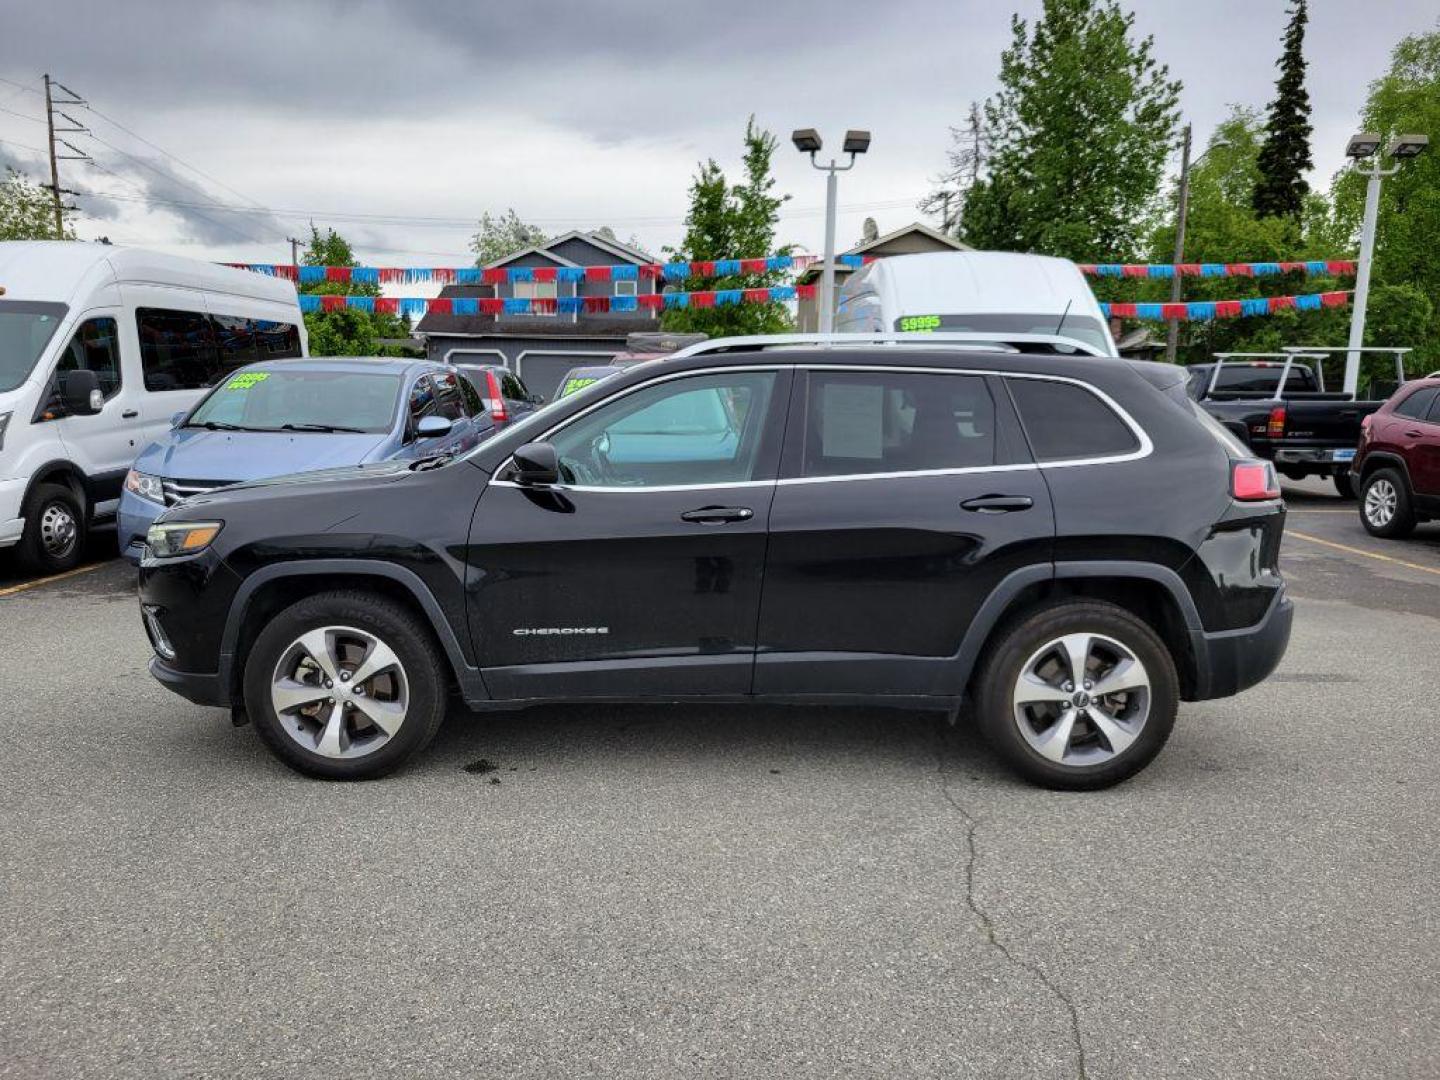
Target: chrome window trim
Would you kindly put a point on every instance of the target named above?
(1146, 447)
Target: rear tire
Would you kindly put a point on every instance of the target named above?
(1385, 508)
(319, 712)
(54, 537)
(1344, 484)
(1065, 738)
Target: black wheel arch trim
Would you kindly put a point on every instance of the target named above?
(472, 684)
(52, 471)
(1385, 459)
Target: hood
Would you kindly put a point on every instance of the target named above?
(356, 478)
(197, 454)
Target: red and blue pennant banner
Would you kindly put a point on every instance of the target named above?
(416, 306)
(1314, 267)
(503, 275)
(1201, 310)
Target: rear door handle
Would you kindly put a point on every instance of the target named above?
(129, 414)
(718, 515)
(1414, 434)
(998, 504)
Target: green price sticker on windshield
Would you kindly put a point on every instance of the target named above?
(572, 385)
(246, 379)
(911, 323)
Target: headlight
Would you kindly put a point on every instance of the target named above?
(173, 538)
(4, 423)
(146, 486)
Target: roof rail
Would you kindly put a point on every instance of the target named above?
(991, 341)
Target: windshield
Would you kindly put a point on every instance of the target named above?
(1080, 327)
(25, 329)
(273, 400)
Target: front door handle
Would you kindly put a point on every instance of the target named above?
(998, 504)
(1414, 434)
(718, 515)
(129, 414)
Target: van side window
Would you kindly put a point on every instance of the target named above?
(95, 346)
(276, 340)
(177, 349)
(235, 341)
(891, 421)
(1064, 421)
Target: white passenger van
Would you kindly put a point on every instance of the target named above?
(99, 347)
(978, 291)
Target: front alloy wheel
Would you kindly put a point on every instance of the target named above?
(340, 692)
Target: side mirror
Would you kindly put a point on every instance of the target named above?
(432, 427)
(178, 419)
(80, 391)
(537, 463)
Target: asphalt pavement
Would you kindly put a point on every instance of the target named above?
(720, 892)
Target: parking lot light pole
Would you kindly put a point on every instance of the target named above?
(1365, 148)
(807, 141)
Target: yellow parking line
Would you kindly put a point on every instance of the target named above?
(13, 589)
(1362, 551)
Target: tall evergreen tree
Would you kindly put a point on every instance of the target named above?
(1285, 156)
(1077, 137)
(733, 221)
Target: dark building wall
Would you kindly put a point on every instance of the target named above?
(539, 360)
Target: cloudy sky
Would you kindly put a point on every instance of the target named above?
(398, 124)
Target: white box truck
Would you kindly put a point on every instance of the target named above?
(100, 346)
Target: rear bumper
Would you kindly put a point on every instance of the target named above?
(200, 688)
(1321, 458)
(1235, 660)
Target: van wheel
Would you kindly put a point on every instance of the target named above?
(1344, 484)
(345, 686)
(1385, 505)
(1078, 695)
(54, 536)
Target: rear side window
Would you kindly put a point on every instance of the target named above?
(1067, 422)
(513, 388)
(474, 403)
(1418, 405)
(276, 340)
(235, 341)
(177, 349)
(882, 421)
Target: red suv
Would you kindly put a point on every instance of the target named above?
(1397, 467)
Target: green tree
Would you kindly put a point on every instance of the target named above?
(27, 211)
(347, 332)
(497, 236)
(733, 221)
(1077, 137)
(1285, 157)
(1405, 99)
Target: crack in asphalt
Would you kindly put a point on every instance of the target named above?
(987, 922)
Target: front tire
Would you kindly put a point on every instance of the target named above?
(54, 537)
(1385, 508)
(1078, 695)
(345, 686)
(1344, 484)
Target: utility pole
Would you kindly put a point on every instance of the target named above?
(294, 251)
(56, 191)
(1172, 339)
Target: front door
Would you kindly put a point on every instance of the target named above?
(639, 574)
(905, 497)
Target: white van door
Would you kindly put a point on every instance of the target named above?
(102, 445)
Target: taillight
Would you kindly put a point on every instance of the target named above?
(1275, 426)
(1253, 481)
(498, 412)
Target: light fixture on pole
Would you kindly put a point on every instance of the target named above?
(807, 141)
(1362, 147)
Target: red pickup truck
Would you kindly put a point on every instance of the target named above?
(1397, 466)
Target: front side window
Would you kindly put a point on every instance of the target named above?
(1064, 421)
(94, 346)
(281, 400)
(882, 422)
(177, 349)
(1417, 405)
(25, 329)
(700, 430)
(448, 401)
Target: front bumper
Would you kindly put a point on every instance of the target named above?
(12, 525)
(133, 519)
(1233, 660)
(202, 689)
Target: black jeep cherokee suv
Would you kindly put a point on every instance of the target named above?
(1065, 545)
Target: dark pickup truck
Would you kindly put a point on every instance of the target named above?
(1279, 407)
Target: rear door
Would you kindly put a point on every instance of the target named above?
(638, 575)
(906, 496)
(1420, 439)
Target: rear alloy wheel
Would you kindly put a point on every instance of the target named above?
(1080, 695)
(1385, 505)
(1344, 484)
(345, 686)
